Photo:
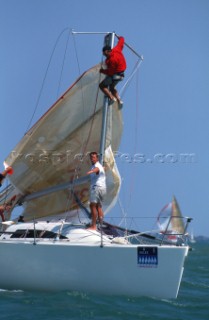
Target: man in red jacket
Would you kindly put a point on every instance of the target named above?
(116, 65)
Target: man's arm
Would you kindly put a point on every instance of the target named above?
(95, 170)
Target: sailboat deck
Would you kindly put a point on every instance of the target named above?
(64, 232)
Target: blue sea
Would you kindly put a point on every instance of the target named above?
(192, 302)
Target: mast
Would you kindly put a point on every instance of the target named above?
(108, 41)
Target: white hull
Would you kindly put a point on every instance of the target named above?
(111, 269)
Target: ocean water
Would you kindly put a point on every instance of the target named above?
(192, 302)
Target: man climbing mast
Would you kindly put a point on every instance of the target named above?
(116, 65)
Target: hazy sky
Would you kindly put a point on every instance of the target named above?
(164, 150)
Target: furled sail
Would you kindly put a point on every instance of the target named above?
(55, 150)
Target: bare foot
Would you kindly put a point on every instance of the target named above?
(91, 228)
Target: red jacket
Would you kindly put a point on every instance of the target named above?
(116, 61)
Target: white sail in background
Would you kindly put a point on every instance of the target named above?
(55, 150)
(192, 238)
(170, 218)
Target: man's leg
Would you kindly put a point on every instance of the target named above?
(93, 207)
(115, 92)
(106, 91)
(104, 87)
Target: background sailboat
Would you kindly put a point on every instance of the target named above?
(171, 221)
(191, 237)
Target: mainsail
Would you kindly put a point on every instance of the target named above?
(55, 150)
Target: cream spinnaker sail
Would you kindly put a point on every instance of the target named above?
(55, 150)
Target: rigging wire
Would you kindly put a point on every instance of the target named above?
(133, 175)
(75, 174)
(44, 79)
(92, 120)
(76, 53)
(84, 145)
(125, 86)
(61, 73)
(82, 94)
(124, 214)
(69, 200)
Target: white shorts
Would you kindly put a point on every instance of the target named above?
(97, 194)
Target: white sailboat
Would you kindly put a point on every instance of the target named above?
(171, 222)
(192, 238)
(53, 249)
